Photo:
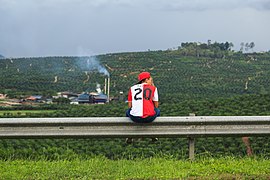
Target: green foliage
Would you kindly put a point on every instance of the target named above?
(191, 72)
(56, 149)
(253, 105)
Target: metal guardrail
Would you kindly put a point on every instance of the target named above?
(111, 127)
(123, 127)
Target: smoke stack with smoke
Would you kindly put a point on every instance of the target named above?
(94, 64)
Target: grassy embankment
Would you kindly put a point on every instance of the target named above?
(151, 168)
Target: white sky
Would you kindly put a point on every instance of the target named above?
(90, 27)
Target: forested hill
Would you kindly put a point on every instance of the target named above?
(1, 56)
(191, 72)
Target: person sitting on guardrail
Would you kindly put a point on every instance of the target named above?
(143, 101)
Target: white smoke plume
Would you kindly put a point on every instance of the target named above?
(98, 89)
(91, 63)
(94, 64)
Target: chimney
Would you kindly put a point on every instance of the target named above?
(108, 92)
(105, 86)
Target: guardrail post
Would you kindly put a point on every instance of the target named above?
(191, 144)
(191, 148)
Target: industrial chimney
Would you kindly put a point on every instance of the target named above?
(107, 88)
(108, 92)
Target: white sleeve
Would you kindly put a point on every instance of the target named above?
(155, 98)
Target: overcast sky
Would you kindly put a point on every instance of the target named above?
(91, 27)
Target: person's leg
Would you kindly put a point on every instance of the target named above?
(157, 112)
(150, 119)
(128, 112)
(154, 139)
(129, 140)
(142, 120)
(133, 118)
(136, 119)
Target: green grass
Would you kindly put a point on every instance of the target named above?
(151, 168)
(24, 112)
